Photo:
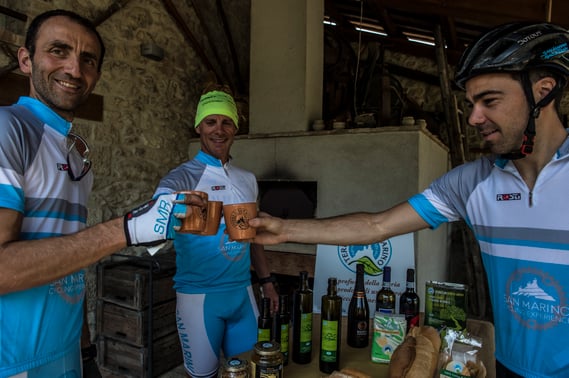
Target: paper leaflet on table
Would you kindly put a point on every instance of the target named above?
(340, 262)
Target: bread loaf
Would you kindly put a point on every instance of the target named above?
(401, 359)
(417, 356)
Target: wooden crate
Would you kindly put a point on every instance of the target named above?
(125, 324)
(127, 282)
(121, 359)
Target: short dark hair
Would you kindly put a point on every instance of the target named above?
(37, 22)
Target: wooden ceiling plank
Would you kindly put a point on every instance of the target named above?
(560, 12)
(14, 14)
(203, 19)
(389, 26)
(188, 36)
(111, 9)
(498, 12)
(241, 87)
(339, 17)
(451, 35)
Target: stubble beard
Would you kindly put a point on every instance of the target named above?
(46, 93)
(508, 145)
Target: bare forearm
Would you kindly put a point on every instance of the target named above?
(342, 230)
(356, 228)
(259, 261)
(30, 263)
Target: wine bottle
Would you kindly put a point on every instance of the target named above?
(302, 322)
(385, 298)
(330, 328)
(264, 321)
(358, 313)
(409, 300)
(284, 321)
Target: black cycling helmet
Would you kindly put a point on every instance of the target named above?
(518, 48)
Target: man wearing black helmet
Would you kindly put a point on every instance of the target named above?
(514, 201)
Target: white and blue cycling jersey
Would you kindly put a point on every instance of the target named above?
(524, 240)
(216, 308)
(41, 324)
(211, 263)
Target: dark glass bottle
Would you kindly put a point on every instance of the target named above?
(330, 328)
(358, 313)
(385, 298)
(409, 300)
(276, 328)
(302, 322)
(284, 321)
(264, 321)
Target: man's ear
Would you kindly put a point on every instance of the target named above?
(543, 86)
(198, 130)
(25, 60)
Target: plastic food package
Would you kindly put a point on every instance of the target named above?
(459, 356)
(388, 333)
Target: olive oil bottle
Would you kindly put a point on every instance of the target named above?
(330, 328)
(302, 322)
(284, 321)
(264, 321)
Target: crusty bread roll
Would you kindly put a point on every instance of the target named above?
(402, 357)
(433, 335)
(423, 363)
(417, 356)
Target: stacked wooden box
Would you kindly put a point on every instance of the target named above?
(136, 317)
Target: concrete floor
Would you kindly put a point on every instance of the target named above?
(178, 372)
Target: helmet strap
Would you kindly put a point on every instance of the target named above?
(529, 133)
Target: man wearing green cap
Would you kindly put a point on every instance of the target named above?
(216, 308)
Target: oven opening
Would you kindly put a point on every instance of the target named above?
(288, 198)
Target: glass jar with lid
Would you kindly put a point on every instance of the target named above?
(235, 368)
(267, 360)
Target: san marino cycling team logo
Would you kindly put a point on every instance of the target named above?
(71, 288)
(373, 256)
(536, 299)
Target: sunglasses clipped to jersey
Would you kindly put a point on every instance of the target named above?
(78, 163)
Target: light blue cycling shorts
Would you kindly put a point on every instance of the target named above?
(215, 323)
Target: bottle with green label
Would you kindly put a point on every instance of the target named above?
(284, 321)
(330, 328)
(302, 322)
(264, 321)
